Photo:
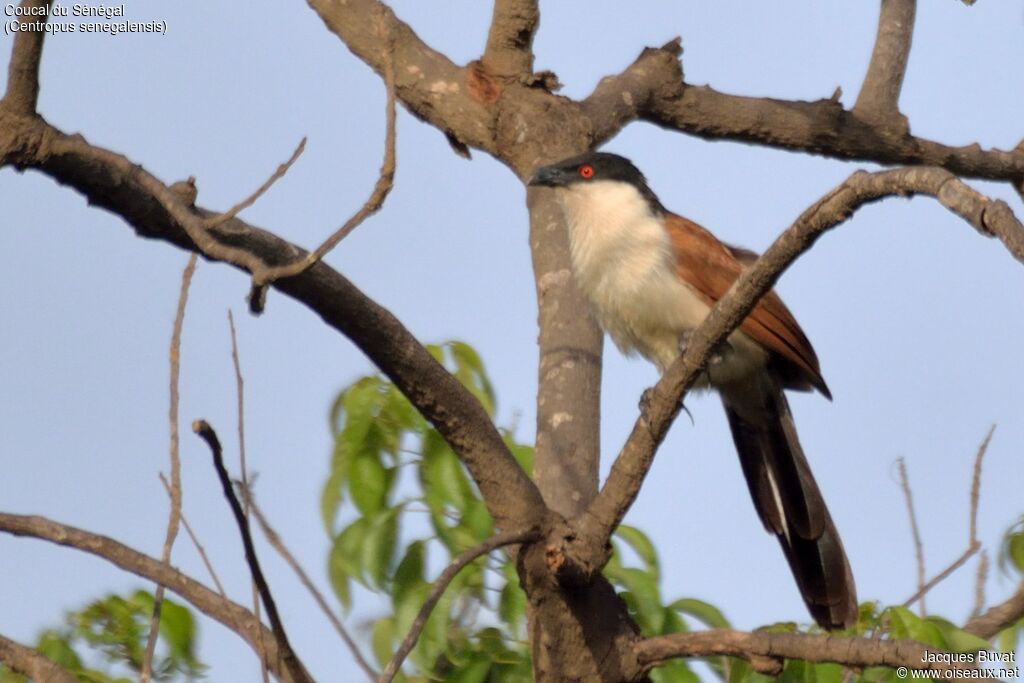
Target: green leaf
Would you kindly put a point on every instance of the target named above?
(409, 572)
(379, 546)
(512, 605)
(704, 612)
(956, 639)
(382, 639)
(825, 672)
(642, 546)
(643, 595)
(56, 646)
(674, 671)
(473, 672)
(368, 482)
(469, 370)
(905, 624)
(345, 560)
(441, 474)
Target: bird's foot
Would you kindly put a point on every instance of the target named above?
(645, 401)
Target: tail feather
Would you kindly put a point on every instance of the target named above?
(788, 499)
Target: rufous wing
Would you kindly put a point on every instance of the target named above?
(711, 266)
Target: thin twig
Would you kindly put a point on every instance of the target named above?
(240, 403)
(385, 181)
(275, 541)
(973, 544)
(214, 221)
(174, 518)
(915, 531)
(195, 542)
(439, 587)
(205, 431)
(979, 585)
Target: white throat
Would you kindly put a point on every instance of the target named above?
(623, 261)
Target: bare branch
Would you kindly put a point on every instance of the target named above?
(32, 663)
(510, 39)
(908, 496)
(973, 544)
(195, 542)
(113, 182)
(214, 221)
(174, 518)
(996, 618)
(760, 646)
(275, 541)
(439, 587)
(232, 615)
(879, 96)
(23, 71)
(979, 585)
(634, 461)
(240, 408)
(291, 660)
(381, 189)
(652, 89)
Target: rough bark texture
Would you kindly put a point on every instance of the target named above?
(580, 630)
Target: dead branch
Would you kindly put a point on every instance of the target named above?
(979, 585)
(30, 662)
(759, 646)
(385, 181)
(277, 544)
(23, 71)
(240, 409)
(510, 38)
(113, 182)
(232, 615)
(291, 660)
(439, 587)
(973, 544)
(214, 221)
(195, 542)
(908, 496)
(635, 458)
(879, 96)
(174, 517)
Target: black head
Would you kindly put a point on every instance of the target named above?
(593, 167)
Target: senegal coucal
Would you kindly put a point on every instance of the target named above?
(651, 277)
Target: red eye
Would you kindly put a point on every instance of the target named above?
(586, 171)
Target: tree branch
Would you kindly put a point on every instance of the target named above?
(509, 50)
(973, 544)
(915, 533)
(174, 517)
(761, 647)
(30, 662)
(291, 660)
(113, 182)
(439, 587)
(879, 96)
(22, 94)
(996, 618)
(427, 82)
(274, 539)
(381, 189)
(623, 483)
(653, 89)
(232, 615)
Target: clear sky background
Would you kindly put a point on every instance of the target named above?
(917, 319)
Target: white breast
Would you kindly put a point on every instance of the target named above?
(623, 261)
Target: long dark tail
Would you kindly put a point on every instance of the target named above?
(788, 499)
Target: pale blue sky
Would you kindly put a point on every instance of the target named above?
(917, 320)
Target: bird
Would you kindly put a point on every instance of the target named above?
(651, 277)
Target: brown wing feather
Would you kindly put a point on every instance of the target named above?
(711, 267)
